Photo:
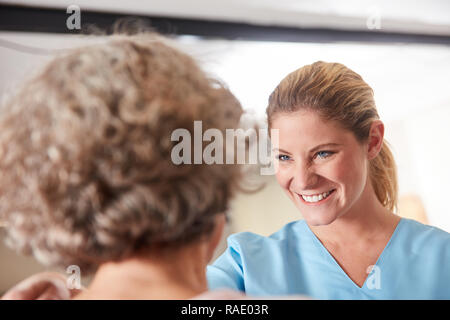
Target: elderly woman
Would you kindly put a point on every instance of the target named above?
(87, 177)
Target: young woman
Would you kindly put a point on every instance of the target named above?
(336, 167)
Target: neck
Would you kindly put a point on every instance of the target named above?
(174, 274)
(366, 220)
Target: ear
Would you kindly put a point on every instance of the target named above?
(376, 135)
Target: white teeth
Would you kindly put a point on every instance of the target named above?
(316, 198)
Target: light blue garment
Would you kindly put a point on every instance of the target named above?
(415, 264)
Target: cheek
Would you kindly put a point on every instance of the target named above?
(351, 171)
(335, 171)
(283, 177)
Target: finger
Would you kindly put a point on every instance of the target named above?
(50, 294)
(35, 287)
(23, 292)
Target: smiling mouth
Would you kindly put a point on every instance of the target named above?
(317, 198)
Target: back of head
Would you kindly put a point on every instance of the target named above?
(85, 153)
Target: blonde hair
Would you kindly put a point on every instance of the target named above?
(340, 94)
(85, 154)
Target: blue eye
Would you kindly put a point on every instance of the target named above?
(283, 157)
(324, 154)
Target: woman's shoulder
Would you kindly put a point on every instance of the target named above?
(420, 235)
(250, 251)
(289, 232)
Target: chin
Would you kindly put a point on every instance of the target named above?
(319, 219)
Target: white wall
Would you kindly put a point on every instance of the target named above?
(425, 167)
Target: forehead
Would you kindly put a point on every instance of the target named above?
(309, 129)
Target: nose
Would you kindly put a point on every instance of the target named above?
(304, 177)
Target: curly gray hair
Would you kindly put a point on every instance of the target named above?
(85, 149)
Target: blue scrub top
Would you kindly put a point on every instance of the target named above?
(415, 264)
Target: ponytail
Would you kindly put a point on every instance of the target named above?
(383, 175)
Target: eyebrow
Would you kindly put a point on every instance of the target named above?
(281, 150)
(323, 145)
